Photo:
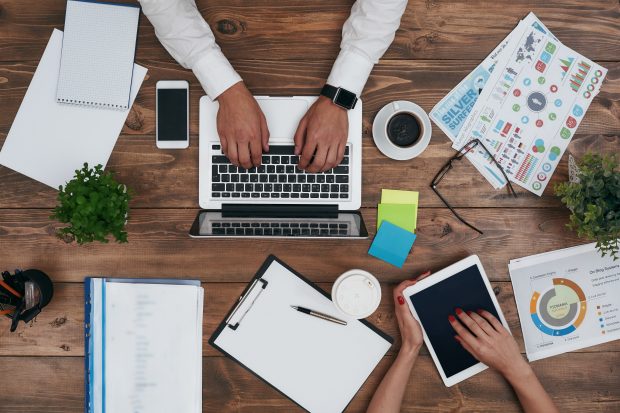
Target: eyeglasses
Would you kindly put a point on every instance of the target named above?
(444, 170)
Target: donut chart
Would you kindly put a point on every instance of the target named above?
(559, 310)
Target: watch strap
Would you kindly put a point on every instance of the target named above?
(340, 96)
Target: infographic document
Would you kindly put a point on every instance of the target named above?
(567, 300)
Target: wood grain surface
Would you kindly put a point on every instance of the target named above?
(287, 47)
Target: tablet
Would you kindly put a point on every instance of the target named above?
(461, 285)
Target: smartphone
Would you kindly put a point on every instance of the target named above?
(172, 114)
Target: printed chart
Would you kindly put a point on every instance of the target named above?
(567, 300)
(530, 109)
(560, 310)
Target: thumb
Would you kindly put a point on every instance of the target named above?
(300, 134)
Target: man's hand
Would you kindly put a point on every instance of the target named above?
(242, 127)
(321, 136)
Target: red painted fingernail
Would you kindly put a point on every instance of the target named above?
(459, 311)
(401, 300)
(468, 312)
(451, 318)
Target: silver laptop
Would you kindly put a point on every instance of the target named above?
(278, 199)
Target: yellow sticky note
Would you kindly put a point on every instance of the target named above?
(401, 215)
(393, 196)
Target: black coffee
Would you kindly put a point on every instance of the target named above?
(403, 129)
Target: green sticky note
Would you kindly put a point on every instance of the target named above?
(392, 196)
(401, 215)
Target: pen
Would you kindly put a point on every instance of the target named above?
(319, 315)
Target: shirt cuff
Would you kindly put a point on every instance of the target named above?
(350, 71)
(215, 73)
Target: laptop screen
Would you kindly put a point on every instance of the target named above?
(343, 225)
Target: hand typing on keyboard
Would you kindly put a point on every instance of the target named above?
(242, 127)
(321, 136)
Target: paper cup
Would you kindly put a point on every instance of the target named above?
(357, 293)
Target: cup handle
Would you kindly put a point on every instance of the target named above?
(395, 106)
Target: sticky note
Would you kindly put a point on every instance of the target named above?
(392, 244)
(392, 196)
(401, 215)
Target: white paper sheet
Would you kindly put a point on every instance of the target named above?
(318, 364)
(153, 348)
(567, 300)
(48, 141)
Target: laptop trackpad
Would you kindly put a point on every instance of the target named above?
(283, 115)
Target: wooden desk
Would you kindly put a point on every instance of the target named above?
(287, 47)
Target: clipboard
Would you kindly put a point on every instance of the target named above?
(317, 364)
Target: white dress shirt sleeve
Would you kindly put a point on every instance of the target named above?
(188, 38)
(366, 35)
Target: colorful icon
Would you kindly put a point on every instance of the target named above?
(591, 87)
(546, 166)
(527, 81)
(557, 103)
(545, 57)
(540, 66)
(552, 116)
(577, 110)
(539, 146)
(554, 154)
(516, 107)
(565, 133)
(598, 73)
(571, 122)
(553, 88)
(541, 80)
(536, 186)
(516, 92)
(550, 47)
(536, 101)
(594, 80)
(539, 123)
(587, 94)
(541, 176)
(525, 120)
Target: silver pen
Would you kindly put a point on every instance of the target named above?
(319, 315)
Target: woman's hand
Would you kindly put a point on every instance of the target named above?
(482, 335)
(410, 330)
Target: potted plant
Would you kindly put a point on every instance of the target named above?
(593, 197)
(94, 205)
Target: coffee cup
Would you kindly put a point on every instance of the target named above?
(357, 293)
(402, 130)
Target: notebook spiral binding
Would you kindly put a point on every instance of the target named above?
(91, 104)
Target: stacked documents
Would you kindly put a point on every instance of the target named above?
(524, 102)
(143, 345)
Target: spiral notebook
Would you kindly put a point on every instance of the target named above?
(98, 52)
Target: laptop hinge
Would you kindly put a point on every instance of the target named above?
(279, 211)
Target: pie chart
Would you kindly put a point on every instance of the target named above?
(560, 310)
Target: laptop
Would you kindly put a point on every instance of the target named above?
(278, 199)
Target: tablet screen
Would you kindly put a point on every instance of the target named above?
(434, 304)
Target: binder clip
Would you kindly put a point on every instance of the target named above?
(24, 294)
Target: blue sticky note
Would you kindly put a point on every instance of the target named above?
(392, 244)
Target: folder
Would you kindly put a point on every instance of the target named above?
(143, 346)
(317, 364)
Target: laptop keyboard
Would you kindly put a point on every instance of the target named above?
(280, 229)
(278, 178)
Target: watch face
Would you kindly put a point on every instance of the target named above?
(346, 98)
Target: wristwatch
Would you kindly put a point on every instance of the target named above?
(340, 96)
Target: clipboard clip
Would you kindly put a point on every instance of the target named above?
(246, 302)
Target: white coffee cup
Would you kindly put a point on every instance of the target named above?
(357, 293)
(380, 130)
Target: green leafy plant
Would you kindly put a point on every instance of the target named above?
(594, 200)
(94, 205)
